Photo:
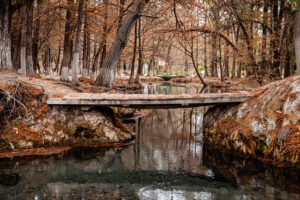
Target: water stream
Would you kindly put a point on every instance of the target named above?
(169, 160)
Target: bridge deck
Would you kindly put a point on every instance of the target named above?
(149, 101)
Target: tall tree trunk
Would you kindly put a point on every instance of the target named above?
(289, 52)
(57, 60)
(133, 55)
(35, 43)
(239, 70)
(16, 32)
(140, 59)
(221, 61)
(214, 57)
(96, 61)
(263, 66)
(5, 38)
(29, 22)
(226, 58)
(186, 65)
(105, 33)
(47, 60)
(86, 48)
(205, 55)
(297, 40)
(275, 39)
(26, 64)
(76, 56)
(106, 73)
(68, 45)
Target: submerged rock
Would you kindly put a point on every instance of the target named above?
(266, 126)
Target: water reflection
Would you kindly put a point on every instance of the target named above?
(166, 88)
(169, 160)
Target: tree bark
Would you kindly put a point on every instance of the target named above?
(133, 55)
(297, 40)
(57, 60)
(140, 59)
(76, 56)
(5, 38)
(47, 61)
(105, 33)
(26, 64)
(86, 48)
(264, 36)
(205, 55)
(106, 73)
(35, 44)
(29, 22)
(68, 45)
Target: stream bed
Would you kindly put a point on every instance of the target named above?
(169, 160)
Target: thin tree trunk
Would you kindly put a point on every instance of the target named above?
(35, 45)
(226, 59)
(264, 32)
(57, 60)
(86, 48)
(133, 55)
(140, 59)
(220, 61)
(214, 57)
(297, 40)
(47, 61)
(106, 73)
(75, 62)
(205, 55)
(186, 65)
(23, 41)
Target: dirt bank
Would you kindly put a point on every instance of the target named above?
(27, 122)
(266, 127)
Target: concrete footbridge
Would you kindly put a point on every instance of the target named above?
(149, 101)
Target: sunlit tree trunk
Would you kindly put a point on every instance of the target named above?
(106, 73)
(76, 56)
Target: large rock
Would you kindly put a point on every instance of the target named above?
(266, 126)
(66, 125)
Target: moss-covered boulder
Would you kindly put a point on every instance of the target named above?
(266, 126)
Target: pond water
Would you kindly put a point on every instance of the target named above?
(168, 160)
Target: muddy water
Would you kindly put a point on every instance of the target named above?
(169, 160)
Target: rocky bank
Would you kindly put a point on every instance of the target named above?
(26, 121)
(266, 127)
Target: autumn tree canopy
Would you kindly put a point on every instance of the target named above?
(232, 38)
